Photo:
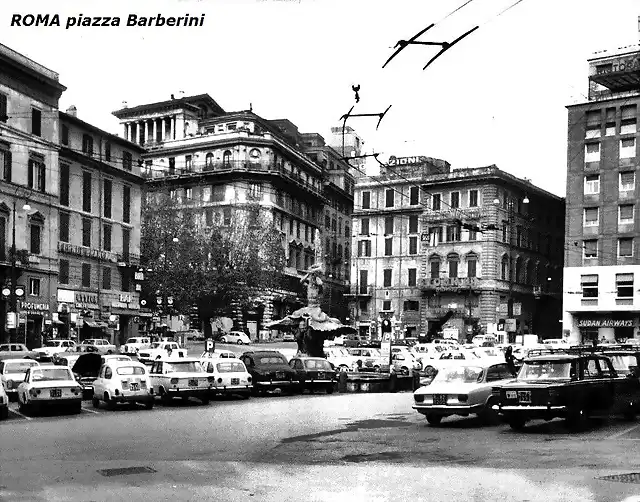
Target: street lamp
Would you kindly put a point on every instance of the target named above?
(15, 291)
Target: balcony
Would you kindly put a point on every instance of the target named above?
(442, 284)
(450, 214)
(128, 260)
(363, 291)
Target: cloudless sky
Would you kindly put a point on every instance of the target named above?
(498, 97)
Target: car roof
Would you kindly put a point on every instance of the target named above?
(309, 358)
(21, 361)
(560, 357)
(178, 360)
(261, 352)
(122, 362)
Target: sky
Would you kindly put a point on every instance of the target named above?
(498, 97)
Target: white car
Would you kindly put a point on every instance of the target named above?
(49, 385)
(102, 346)
(367, 358)
(231, 377)
(426, 351)
(183, 378)
(403, 359)
(4, 404)
(206, 356)
(134, 345)
(55, 347)
(122, 382)
(340, 358)
(158, 350)
(115, 357)
(235, 337)
(464, 390)
(12, 373)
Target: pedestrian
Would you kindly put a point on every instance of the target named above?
(510, 360)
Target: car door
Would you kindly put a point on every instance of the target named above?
(98, 384)
(597, 394)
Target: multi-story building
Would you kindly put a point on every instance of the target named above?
(347, 143)
(602, 264)
(220, 164)
(478, 242)
(29, 95)
(98, 231)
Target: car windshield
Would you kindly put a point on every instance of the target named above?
(460, 374)
(271, 360)
(622, 362)
(231, 367)
(338, 352)
(52, 344)
(545, 370)
(155, 345)
(133, 340)
(51, 374)
(130, 370)
(183, 367)
(20, 367)
(317, 364)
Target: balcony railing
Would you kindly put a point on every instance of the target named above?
(131, 259)
(360, 290)
(449, 283)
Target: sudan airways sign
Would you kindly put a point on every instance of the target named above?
(605, 323)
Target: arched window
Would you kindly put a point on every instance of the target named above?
(453, 260)
(254, 153)
(504, 268)
(434, 266)
(209, 160)
(472, 265)
(226, 158)
(518, 271)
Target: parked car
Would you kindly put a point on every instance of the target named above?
(230, 376)
(16, 351)
(569, 386)
(115, 357)
(314, 373)
(122, 382)
(134, 345)
(217, 354)
(340, 358)
(54, 347)
(12, 373)
(103, 346)
(403, 359)
(67, 358)
(269, 370)
(180, 377)
(427, 351)
(4, 404)
(353, 341)
(49, 385)
(85, 370)
(367, 359)
(158, 350)
(462, 390)
(288, 337)
(237, 337)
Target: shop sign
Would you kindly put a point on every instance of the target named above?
(65, 247)
(452, 283)
(36, 308)
(403, 161)
(86, 300)
(125, 301)
(138, 276)
(605, 323)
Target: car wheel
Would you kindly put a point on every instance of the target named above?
(4, 413)
(109, 352)
(223, 339)
(205, 401)
(158, 357)
(330, 389)
(164, 396)
(77, 408)
(489, 416)
(239, 342)
(110, 403)
(95, 402)
(404, 370)
(344, 367)
(576, 418)
(149, 404)
(434, 419)
(376, 369)
(517, 423)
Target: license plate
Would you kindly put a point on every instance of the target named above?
(524, 396)
(55, 393)
(320, 376)
(193, 383)
(280, 376)
(235, 381)
(135, 386)
(512, 394)
(440, 399)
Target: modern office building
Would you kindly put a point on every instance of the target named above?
(602, 258)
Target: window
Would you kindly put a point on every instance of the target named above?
(628, 119)
(413, 245)
(127, 161)
(208, 216)
(188, 162)
(3, 108)
(63, 274)
(625, 213)
(35, 239)
(364, 226)
(593, 124)
(610, 124)
(37, 173)
(107, 191)
(591, 217)
(413, 224)
(455, 199)
(106, 234)
(627, 148)
(34, 287)
(412, 277)
(172, 165)
(86, 275)
(388, 225)
(364, 248)
(589, 286)
(414, 196)
(473, 235)
(86, 232)
(387, 278)
(473, 198)
(386, 305)
(364, 282)
(64, 185)
(625, 247)
(226, 158)
(188, 193)
(255, 191)
(412, 305)
(64, 137)
(5, 161)
(592, 152)
(591, 249)
(126, 203)
(126, 242)
(472, 266)
(226, 216)
(388, 246)
(504, 268)
(107, 152)
(36, 122)
(106, 278)
(627, 181)
(624, 285)
(434, 268)
(366, 200)
(453, 266)
(592, 184)
(453, 233)
(390, 197)
(87, 144)
(436, 200)
(86, 191)
(63, 226)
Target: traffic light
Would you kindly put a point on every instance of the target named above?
(386, 326)
(6, 292)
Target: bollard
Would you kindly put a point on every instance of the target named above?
(416, 380)
(342, 382)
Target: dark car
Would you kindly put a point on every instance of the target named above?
(314, 373)
(625, 358)
(270, 370)
(86, 369)
(567, 385)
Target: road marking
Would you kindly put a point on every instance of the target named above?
(623, 432)
(91, 411)
(20, 414)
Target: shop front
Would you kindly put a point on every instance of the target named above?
(79, 315)
(612, 327)
(121, 310)
(35, 317)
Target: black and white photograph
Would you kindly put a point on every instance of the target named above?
(319, 250)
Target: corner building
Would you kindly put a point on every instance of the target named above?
(602, 264)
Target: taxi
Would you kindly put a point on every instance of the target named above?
(49, 385)
(180, 377)
(12, 373)
(231, 376)
(122, 381)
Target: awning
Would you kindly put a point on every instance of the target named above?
(95, 324)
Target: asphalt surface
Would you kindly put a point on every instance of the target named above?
(350, 447)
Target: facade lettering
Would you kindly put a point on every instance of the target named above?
(403, 161)
(605, 323)
(65, 247)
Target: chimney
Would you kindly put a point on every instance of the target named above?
(125, 104)
(72, 110)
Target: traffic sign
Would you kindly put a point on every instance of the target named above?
(11, 320)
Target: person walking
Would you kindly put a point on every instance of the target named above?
(510, 360)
